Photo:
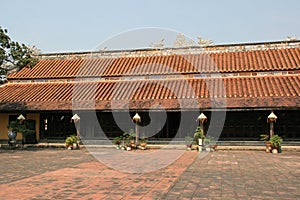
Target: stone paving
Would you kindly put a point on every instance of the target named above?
(66, 174)
(240, 175)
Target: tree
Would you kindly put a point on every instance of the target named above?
(14, 54)
(18, 127)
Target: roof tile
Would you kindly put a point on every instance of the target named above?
(236, 90)
(206, 62)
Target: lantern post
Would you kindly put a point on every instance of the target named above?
(272, 119)
(136, 119)
(76, 120)
(202, 119)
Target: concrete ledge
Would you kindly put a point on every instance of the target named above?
(157, 146)
(39, 145)
(290, 148)
(242, 148)
(256, 148)
(45, 145)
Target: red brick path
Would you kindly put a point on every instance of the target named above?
(64, 174)
(93, 180)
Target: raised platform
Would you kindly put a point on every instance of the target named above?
(232, 146)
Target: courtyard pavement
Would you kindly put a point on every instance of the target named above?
(75, 174)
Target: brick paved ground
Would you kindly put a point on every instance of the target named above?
(65, 174)
(240, 175)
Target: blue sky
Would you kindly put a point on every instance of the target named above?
(70, 25)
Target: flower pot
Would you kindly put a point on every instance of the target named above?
(128, 148)
(75, 146)
(189, 146)
(143, 145)
(195, 147)
(268, 146)
(274, 150)
(132, 144)
(213, 147)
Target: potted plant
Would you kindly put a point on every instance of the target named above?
(18, 127)
(127, 141)
(131, 137)
(117, 141)
(71, 142)
(143, 143)
(188, 142)
(276, 142)
(265, 138)
(199, 137)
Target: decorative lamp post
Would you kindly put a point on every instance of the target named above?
(21, 118)
(76, 120)
(202, 119)
(136, 119)
(272, 119)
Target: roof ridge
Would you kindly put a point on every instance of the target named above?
(152, 80)
(169, 50)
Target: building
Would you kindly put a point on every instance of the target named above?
(245, 81)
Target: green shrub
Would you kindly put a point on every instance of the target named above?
(117, 140)
(71, 139)
(18, 127)
(275, 141)
(198, 134)
(143, 140)
(264, 137)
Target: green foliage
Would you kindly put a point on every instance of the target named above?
(18, 127)
(131, 134)
(143, 140)
(275, 141)
(128, 137)
(117, 140)
(3, 71)
(22, 55)
(19, 55)
(198, 134)
(264, 137)
(71, 139)
(4, 39)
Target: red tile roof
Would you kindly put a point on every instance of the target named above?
(240, 92)
(205, 62)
